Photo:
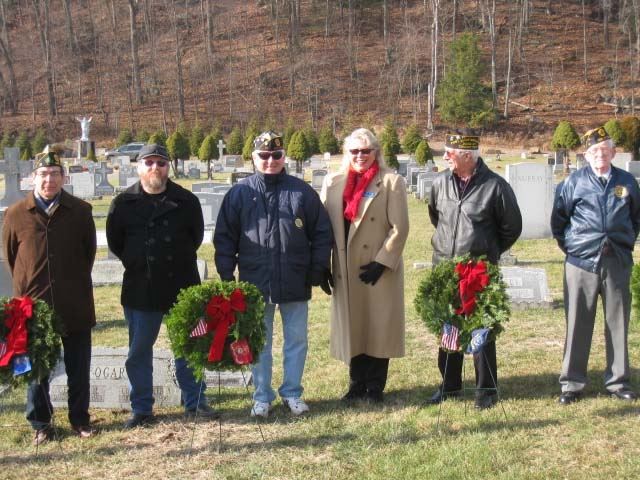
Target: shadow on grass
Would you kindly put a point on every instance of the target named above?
(108, 324)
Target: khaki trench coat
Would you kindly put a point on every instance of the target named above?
(51, 258)
(364, 318)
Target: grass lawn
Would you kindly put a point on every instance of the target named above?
(527, 436)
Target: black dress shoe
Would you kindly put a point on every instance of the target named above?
(569, 397)
(354, 394)
(375, 396)
(43, 435)
(485, 400)
(441, 396)
(625, 394)
(139, 420)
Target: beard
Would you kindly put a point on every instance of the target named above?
(153, 181)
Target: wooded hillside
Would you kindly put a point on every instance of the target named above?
(149, 64)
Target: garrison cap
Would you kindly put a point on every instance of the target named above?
(268, 141)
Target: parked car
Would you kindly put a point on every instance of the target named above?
(130, 149)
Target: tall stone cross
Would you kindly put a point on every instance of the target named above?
(221, 147)
(11, 171)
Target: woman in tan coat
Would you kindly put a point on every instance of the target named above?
(367, 204)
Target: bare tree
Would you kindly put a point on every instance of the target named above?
(507, 87)
(71, 34)
(135, 63)
(42, 22)
(179, 75)
(584, 42)
(10, 86)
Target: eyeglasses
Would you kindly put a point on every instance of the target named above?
(363, 151)
(277, 155)
(54, 174)
(159, 163)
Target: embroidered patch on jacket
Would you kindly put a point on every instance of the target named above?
(369, 194)
(620, 191)
(298, 222)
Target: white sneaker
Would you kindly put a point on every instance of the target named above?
(296, 405)
(260, 409)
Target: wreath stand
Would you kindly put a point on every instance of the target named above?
(219, 396)
(52, 424)
(465, 389)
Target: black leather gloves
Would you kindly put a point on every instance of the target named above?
(371, 272)
(322, 279)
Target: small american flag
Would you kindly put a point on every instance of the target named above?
(3, 347)
(200, 330)
(450, 337)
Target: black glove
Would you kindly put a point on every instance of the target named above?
(327, 282)
(372, 272)
(322, 279)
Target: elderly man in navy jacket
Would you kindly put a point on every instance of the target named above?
(274, 228)
(595, 220)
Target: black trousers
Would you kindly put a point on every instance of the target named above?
(77, 362)
(485, 365)
(368, 373)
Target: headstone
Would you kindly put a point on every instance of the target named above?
(633, 167)
(533, 185)
(110, 384)
(580, 161)
(227, 379)
(620, 160)
(103, 187)
(209, 187)
(558, 160)
(402, 168)
(236, 176)
(84, 147)
(83, 185)
(317, 178)
(194, 173)
(75, 169)
(11, 173)
(425, 181)
(121, 160)
(317, 163)
(110, 271)
(233, 161)
(326, 156)
(527, 287)
(6, 287)
(210, 203)
(127, 176)
(221, 147)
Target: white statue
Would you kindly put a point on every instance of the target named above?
(84, 125)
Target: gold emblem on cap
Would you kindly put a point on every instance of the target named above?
(620, 191)
(298, 222)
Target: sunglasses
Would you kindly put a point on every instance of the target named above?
(160, 163)
(363, 151)
(277, 155)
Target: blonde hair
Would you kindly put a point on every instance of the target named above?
(368, 139)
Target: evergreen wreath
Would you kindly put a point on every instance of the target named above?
(438, 301)
(43, 339)
(192, 329)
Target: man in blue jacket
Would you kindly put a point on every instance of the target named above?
(595, 220)
(274, 228)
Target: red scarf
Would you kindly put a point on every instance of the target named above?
(357, 184)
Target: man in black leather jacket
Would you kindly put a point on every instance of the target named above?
(474, 211)
(595, 220)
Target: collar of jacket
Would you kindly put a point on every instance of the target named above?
(65, 200)
(135, 192)
(271, 178)
(480, 170)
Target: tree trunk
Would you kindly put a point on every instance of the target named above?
(41, 16)
(135, 63)
(584, 43)
(385, 32)
(507, 87)
(179, 75)
(71, 35)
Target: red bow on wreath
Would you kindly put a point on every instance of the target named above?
(473, 279)
(221, 313)
(17, 311)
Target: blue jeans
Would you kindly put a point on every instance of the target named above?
(143, 332)
(294, 352)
